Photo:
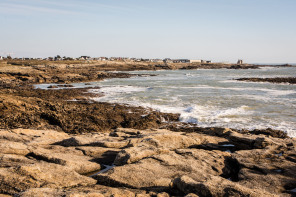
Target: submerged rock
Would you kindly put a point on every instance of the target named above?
(290, 80)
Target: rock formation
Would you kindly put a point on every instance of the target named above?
(59, 143)
(153, 162)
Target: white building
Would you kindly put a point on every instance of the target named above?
(195, 61)
(1, 58)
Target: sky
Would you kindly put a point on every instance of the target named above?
(257, 31)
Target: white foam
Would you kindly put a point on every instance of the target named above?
(267, 68)
(238, 105)
(113, 91)
(212, 115)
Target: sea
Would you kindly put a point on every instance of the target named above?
(209, 97)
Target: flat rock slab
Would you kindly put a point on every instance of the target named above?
(11, 160)
(11, 147)
(216, 186)
(154, 162)
(40, 137)
(40, 174)
(94, 191)
(79, 163)
(159, 170)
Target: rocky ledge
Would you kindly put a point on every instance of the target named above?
(290, 80)
(58, 142)
(152, 162)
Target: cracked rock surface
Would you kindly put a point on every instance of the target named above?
(152, 162)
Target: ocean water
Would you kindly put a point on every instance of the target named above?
(210, 97)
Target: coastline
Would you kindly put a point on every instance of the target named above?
(133, 138)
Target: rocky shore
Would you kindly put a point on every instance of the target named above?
(290, 80)
(152, 162)
(57, 142)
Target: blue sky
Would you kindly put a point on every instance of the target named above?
(219, 30)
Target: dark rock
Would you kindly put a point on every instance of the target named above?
(53, 86)
(290, 80)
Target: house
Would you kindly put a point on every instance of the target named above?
(84, 58)
(167, 60)
(239, 61)
(155, 60)
(1, 58)
(195, 61)
(145, 60)
(103, 58)
(181, 61)
(206, 61)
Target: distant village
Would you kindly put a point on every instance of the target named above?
(124, 59)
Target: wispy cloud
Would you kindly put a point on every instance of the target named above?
(83, 4)
(56, 7)
(21, 9)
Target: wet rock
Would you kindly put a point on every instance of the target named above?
(55, 110)
(65, 85)
(270, 132)
(53, 86)
(290, 80)
(244, 67)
